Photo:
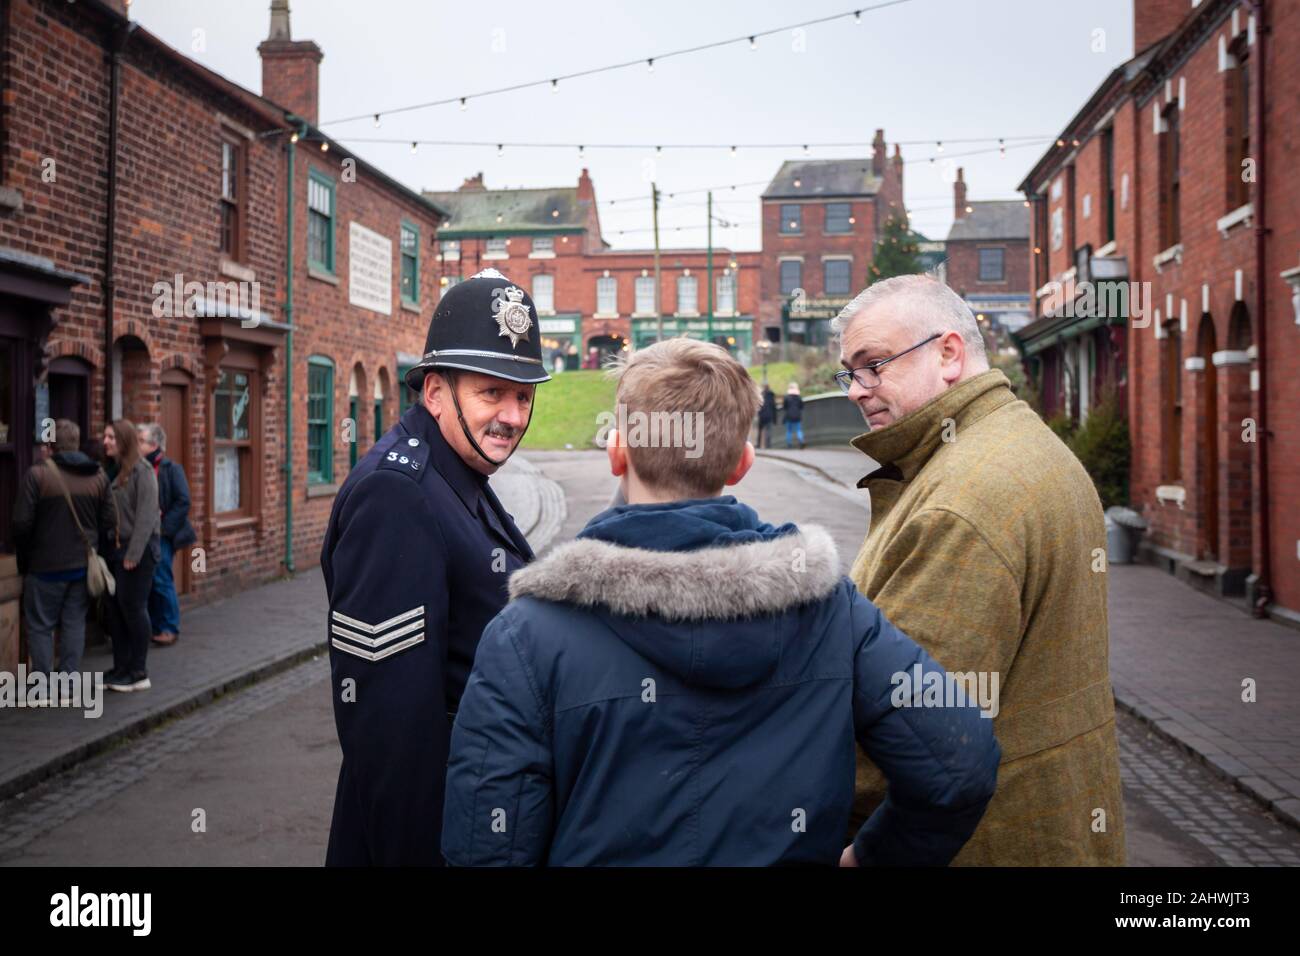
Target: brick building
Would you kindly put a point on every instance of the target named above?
(820, 222)
(1169, 188)
(143, 274)
(590, 296)
(987, 258)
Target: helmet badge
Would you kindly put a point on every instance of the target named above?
(511, 313)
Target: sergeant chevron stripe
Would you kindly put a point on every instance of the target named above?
(382, 644)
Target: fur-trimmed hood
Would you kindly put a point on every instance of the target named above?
(721, 583)
(712, 596)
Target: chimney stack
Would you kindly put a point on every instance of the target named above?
(290, 68)
(1153, 20)
(472, 184)
(586, 190)
(959, 195)
(878, 154)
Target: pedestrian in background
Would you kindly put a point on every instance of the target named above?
(63, 506)
(793, 412)
(766, 417)
(175, 533)
(133, 554)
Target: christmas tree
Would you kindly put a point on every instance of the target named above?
(896, 252)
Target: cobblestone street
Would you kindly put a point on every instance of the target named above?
(248, 776)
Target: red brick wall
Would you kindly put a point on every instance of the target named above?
(963, 267)
(57, 105)
(351, 337)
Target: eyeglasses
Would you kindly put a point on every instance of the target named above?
(868, 376)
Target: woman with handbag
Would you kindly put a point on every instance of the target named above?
(132, 557)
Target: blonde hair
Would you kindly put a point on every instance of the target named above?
(680, 377)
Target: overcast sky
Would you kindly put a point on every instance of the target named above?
(924, 70)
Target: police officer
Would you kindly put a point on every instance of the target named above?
(416, 558)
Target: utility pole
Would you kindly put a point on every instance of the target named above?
(659, 313)
(709, 269)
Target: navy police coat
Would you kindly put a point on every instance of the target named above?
(416, 559)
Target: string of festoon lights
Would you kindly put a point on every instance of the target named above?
(648, 62)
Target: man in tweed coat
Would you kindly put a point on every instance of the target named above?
(987, 546)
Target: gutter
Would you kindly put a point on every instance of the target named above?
(121, 35)
(1263, 591)
(292, 153)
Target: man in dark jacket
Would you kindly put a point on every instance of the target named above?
(52, 551)
(766, 417)
(683, 684)
(175, 533)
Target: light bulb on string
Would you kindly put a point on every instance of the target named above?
(753, 44)
(555, 86)
(939, 144)
(463, 105)
(414, 147)
(733, 151)
(376, 121)
(857, 16)
(501, 150)
(582, 151)
(650, 65)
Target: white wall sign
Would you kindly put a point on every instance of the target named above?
(370, 269)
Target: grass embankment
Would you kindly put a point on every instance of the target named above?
(568, 405)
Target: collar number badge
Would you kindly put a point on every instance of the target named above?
(511, 313)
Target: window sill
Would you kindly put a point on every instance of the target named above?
(316, 272)
(233, 523)
(232, 268)
(541, 255)
(793, 235)
(1001, 281)
(543, 313)
(1172, 254)
(322, 490)
(686, 315)
(410, 306)
(605, 315)
(644, 315)
(1105, 250)
(1175, 494)
(449, 257)
(1241, 216)
(495, 256)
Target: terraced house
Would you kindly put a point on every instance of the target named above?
(176, 248)
(1172, 187)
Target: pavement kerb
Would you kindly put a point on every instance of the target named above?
(145, 722)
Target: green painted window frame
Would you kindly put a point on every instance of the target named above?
(379, 418)
(354, 410)
(319, 427)
(405, 397)
(401, 262)
(327, 183)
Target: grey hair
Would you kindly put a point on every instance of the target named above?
(156, 435)
(928, 306)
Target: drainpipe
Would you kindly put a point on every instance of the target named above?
(117, 44)
(291, 152)
(1263, 592)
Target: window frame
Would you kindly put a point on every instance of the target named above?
(248, 505)
(609, 282)
(694, 282)
(729, 278)
(780, 275)
(1238, 131)
(1002, 263)
(641, 282)
(848, 216)
(323, 475)
(1171, 178)
(786, 218)
(502, 253)
(235, 206)
(826, 275)
(549, 308)
(315, 176)
(406, 226)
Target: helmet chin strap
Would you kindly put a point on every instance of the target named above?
(450, 376)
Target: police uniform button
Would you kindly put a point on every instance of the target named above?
(413, 442)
